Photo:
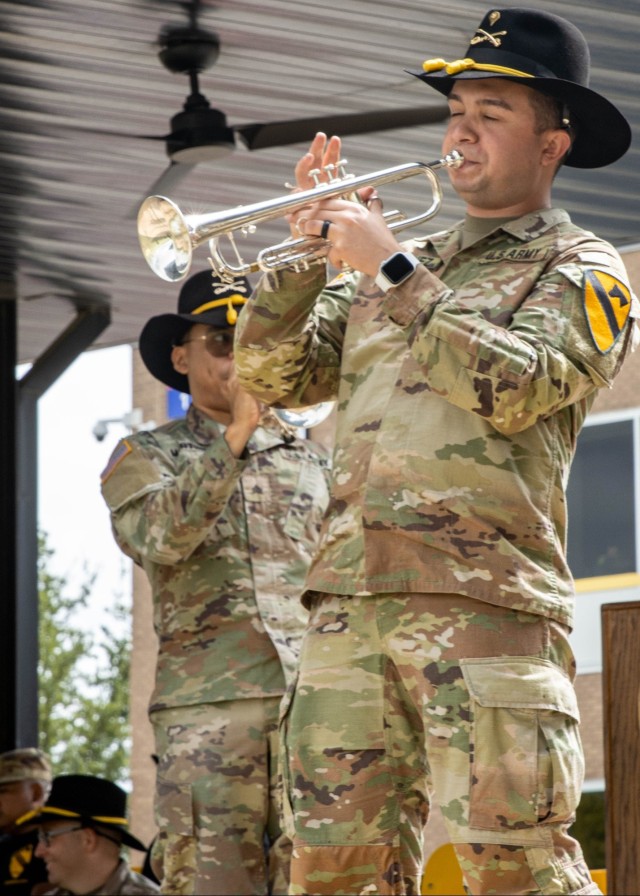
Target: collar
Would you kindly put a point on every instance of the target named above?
(534, 224)
(205, 430)
(446, 243)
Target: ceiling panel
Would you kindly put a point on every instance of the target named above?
(80, 81)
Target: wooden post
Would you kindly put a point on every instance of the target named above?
(621, 690)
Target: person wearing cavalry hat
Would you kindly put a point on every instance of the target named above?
(222, 510)
(82, 829)
(440, 597)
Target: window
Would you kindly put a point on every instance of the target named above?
(589, 828)
(602, 499)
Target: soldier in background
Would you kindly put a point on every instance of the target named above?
(437, 662)
(222, 509)
(25, 782)
(82, 831)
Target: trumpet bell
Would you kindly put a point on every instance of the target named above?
(306, 417)
(165, 238)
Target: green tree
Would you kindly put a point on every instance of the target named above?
(83, 680)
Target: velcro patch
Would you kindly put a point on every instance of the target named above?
(119, 452)
(515, 253)
(607, 303)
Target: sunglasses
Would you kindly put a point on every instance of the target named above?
(45, 837)
(218, 343)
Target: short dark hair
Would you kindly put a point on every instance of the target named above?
(548, 110)
(549, 113)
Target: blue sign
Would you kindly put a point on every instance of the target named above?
(177, 403)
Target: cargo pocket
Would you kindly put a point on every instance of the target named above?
(335, 776)
(311, 490)
(174, 807)
(526, 756)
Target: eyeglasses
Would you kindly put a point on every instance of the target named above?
(45, 837)
(218, 343)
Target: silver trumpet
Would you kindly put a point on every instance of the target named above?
(168, 237)
(289, 421)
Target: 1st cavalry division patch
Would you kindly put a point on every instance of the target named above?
(607, 303)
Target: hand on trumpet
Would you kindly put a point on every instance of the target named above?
(358, 235)
(244, 413)
(322, 154)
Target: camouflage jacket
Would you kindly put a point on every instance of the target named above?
(226, 544)
(460, 397)
(123, 882)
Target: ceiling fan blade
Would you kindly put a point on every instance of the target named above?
(170, 177)
(124, 135)
(283, 133)
(163, 185)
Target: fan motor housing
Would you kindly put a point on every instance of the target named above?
(188, 49)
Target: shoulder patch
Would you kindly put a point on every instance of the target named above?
(607, 304)
(119, 452)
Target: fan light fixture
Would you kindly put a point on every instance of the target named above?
(199, 135)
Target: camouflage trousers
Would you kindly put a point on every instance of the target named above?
(401, 699)
(218, 800)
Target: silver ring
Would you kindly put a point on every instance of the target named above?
(324, 230)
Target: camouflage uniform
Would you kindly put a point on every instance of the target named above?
(460, 398)
(123, 882)
(225, 543)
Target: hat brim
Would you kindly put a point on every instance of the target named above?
(161, 333)
(157, 339)
(603, 134)
(51, 813)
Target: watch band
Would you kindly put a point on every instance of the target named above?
(395, 270)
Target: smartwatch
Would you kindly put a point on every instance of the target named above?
(395, 270)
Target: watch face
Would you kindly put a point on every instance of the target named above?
(397, 268)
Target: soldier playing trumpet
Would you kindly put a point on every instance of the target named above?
(436, 663)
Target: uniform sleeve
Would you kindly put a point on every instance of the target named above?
(161, 513)
(567, 338)
(289, 337)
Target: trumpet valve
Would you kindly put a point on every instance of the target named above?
(333, 173)
(336, 172)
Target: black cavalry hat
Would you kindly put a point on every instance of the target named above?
(96, 802)
(203, 299)
(549, 54)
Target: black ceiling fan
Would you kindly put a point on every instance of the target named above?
(200, 133)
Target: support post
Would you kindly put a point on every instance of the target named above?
(621, 691)
(8, 516)
(18, 511)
